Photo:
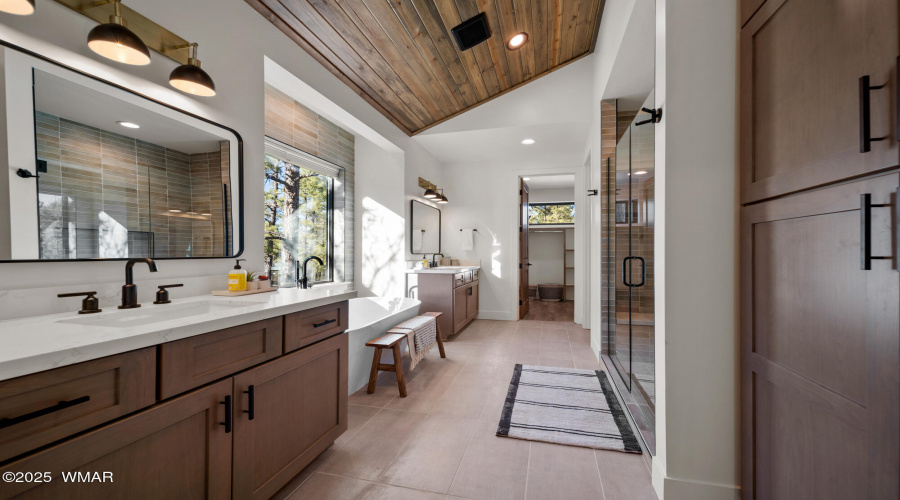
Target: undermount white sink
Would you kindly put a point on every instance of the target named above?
(147, 315)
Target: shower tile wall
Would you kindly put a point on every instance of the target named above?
(292, 123)
(607, 186)
(99, 181)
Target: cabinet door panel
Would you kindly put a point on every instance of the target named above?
(299, 409)
(801, 61)
(820, 347)
(472, 302)
(460, 308)
(175, 450)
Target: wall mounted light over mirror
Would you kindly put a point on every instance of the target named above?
(115, 175)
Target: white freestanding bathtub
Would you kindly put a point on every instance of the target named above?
(369, 318)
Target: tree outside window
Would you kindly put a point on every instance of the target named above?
(298, 220)
(551, 213)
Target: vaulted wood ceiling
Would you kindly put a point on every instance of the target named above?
(400, 56)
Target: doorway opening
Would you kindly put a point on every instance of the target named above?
(547, 248)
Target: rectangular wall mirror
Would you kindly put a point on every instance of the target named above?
(100, 172)
(425, 228)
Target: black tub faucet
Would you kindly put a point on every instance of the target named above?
(129, 290)
(304, 281)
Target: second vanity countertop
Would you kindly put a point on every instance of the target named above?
(35, 344)
(443, 270)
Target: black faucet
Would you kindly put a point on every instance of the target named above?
(434, 261)
(129, 290)
(303, 282)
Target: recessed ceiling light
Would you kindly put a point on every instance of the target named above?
(129, 125)
(517, 41)
(527, 142)
(641, 172)
(175, 211)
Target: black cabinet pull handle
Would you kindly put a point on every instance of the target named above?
(227, 422)
(251, 407)
(865, 230)
(865, 118)
(317, 325)
(62, 405)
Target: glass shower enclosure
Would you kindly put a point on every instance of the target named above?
(629, 219)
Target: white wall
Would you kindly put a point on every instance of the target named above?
(551, 195)
(486, 196)
(380, 221)
(236, 63)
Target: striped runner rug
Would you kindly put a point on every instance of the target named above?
(565, 406)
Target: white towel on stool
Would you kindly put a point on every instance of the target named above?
(417, 236)
(468, 239)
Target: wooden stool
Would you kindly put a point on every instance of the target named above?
(394, 341)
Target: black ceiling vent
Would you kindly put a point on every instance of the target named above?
(472, 32)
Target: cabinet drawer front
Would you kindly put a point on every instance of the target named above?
(192, 362)
(469, 276)
(308, 327)
(39, 409)
(459, 279)
(177, 449)
(475, 274)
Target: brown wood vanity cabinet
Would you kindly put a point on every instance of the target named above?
(454, 295)
(235, 417)
(820, 321)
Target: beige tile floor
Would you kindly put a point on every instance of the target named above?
(440, 442)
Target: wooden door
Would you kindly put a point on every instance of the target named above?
(177, 449)
(299, 407)
(460, 308)
(523, 249)
(820, 367)
(472, 302)
(801, 63)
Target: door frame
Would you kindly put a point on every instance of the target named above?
(581, 207)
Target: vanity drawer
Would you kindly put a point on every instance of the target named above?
(475, 274)
(459, 279)
(192, 362)
(39, 409)
(307, 327)
(470, 276)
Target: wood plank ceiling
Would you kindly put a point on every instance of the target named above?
(399, 55)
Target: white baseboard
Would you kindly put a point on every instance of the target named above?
(668, 488)
(497, 315)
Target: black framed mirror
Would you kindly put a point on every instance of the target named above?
(101, 172)
(425, 228)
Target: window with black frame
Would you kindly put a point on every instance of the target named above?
(551, 213)
(299, 218)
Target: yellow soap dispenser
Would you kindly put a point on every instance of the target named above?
(237, 278)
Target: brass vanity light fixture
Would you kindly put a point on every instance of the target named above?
(17, 7)
(113, 40)
(442, 198)
(190, 78)
(431, 194)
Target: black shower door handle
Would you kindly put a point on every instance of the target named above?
(626, 269)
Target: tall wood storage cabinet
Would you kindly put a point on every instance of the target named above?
(820, 321)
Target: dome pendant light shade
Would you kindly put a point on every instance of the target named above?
(115, 41)
(17, 7)
(441, 198)
(191, 79)
(431, 194)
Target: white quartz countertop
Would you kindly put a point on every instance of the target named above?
(35, 344)
(442, 270)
